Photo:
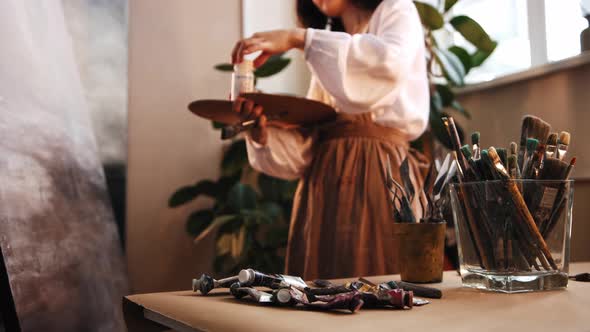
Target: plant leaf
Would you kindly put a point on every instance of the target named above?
(225, 183)
(241, 197)
(446, 95)
(223, 245)
(459, 108)
(463, 55)
(188, 193)
(215, 224)
(449, 4)
(451, 66)
(224, 67)
(276, 237)
(479, 57)
(234, 158)
(436, 101)
(429, 16)
(198, 221)
(274, 65)
(473, 32)
(275, 189)
(272, 210)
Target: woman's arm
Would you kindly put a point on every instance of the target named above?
(363, 72)
(283, 153)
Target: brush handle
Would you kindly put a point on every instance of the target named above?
(529, 222)
(474, 231)
(232, 131)
(429, 292)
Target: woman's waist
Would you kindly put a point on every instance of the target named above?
(363, 126)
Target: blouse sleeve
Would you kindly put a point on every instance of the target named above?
(286, 154)
(363, 72)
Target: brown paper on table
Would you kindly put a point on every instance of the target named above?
(460, 309)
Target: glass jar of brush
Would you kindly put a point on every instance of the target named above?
(513, 235)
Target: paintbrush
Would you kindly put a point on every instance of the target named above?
(536, 162)
(562, 144)
(526, 219)
(514, 149)
(543, 197)
(455, 141)
(532, 127)
(560, 201)
(513, 167)
(503, 155)
(551, 149)
(475, 142)
(531, 146)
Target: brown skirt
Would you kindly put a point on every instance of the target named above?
(342, 220)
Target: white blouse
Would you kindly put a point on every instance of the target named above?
(382, 72)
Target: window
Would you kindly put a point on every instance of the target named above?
(529, 33)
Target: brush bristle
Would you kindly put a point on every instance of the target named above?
(475, 137)
(534, 127)
(466, 151)
(503, 155)
(484, 154)
(564, 138)
(512, 161)
(552, 140)
(513, 148)
(531, 144)
(553, 169)
(496, 162)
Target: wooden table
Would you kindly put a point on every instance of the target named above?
(460, 309)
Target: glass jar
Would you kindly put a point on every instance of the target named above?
(513, 236)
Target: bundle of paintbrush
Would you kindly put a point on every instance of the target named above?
(513, 199)
(431, 197)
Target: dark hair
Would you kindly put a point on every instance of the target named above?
(310, 16)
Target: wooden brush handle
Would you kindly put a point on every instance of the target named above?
(473, 230)
(526, 216)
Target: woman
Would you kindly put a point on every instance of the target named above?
(372, 70)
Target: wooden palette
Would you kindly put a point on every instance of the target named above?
(279, 109)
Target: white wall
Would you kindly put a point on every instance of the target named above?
(262, 15)
(173, 46)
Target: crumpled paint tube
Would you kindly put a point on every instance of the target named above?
(396, 298)
(352, 301)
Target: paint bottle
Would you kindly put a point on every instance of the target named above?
(242, 79)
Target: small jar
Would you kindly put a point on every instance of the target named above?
(242, 79)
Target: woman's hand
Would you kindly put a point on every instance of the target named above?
(270, 43)
(250, 111)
